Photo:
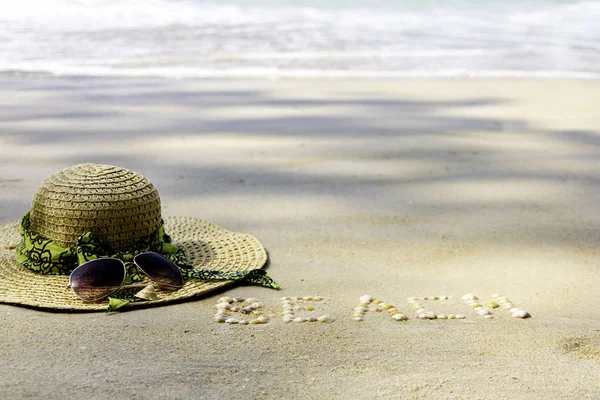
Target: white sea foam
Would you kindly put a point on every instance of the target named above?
(179, 38)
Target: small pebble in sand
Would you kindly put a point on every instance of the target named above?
(243, 322)
(492, 304)
(423, 298)
(225, 300)
(386, 306)
(326, 318)
(476, 305)
(307, 298)
(232, 321)
(246, 310)
(258, 305)
(235, 309)
(361, 309)
(484, 311)
(514, 309)
(285, 298)
(434, 297)
(317, 298)
(299, 319)
(239, 299)
(508, 305)
(223, 306)
(443, 297)
(312, 319)
(377, 301)
(392, 311)
(442, 316)
(219, 319)
(470, 296)
(459, 316)
(488, 316)
(359, 319)
(451, 316)
(420, 310)
(367, 298)
(399, 317)
(309, 308)
(288, 318)
(521, 314)
(287, 312)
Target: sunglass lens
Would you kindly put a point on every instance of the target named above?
(160, 269)
(97, 279)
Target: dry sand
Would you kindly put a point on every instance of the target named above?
(391, 188)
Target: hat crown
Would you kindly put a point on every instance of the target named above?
(119, 206)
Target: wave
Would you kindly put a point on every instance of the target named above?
(401, 38)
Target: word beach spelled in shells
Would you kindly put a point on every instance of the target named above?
(250, 311)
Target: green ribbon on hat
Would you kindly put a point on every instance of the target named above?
(40, 254)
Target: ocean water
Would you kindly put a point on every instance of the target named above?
(301, 38)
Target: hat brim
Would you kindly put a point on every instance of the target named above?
(207, 246)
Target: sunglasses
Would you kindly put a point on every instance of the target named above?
(99, 278)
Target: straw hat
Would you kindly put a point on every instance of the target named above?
(120, 207)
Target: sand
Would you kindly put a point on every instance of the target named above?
(393, 188)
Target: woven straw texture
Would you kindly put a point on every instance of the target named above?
(207, 246)
(118, 205)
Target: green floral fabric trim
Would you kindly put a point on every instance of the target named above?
(42, 255)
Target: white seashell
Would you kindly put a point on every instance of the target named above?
(234, 309)
(299, 319)
(399, 317)
(287, 312)
(258, 304)
(359, 319)
(392, 310)
(307, 298)
(361, 309)
(488, 316)
(288, 318)
(317, 298)
(243, 322)
(285, 299)
(420, 310)
(423, 298)
(451, 316)
(430, 315)
(470, 296)
(521, 314)
(443, 297)
(459, 316)
(225, 300)
(232, 321)
(409, 299)
(326, 318)
(367, 298)
(312, 319)
(484, 311)
(441, 316)
(422, 316)
(514, 309)
(147, 293)
(251, 300)
(223, 306)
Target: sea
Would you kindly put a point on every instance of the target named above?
(301, 38)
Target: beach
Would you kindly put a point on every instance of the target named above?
(388, 187)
